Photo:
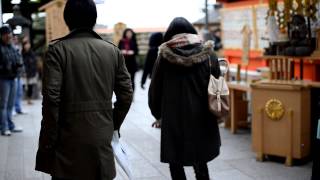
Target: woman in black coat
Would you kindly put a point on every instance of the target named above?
(31, 69)
(178, 95)
(154, 42)
(129, 48)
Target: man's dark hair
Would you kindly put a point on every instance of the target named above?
(5, 30)
(177, 26)
(80, 14)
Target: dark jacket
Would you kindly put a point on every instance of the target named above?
(30, 64)
(81, 72)
(178, 95)
(152, 54)
(11, 64)
(131, 62)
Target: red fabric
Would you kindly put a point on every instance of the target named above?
(126, 44)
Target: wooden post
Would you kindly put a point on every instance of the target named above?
(279, 68)
(269, 61)
(238, 77)
(301, 69)
(275, 66)
(284, 69)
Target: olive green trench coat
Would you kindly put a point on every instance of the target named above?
(81, 73)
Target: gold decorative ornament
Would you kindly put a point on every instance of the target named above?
(285, 16)
(274, 109)
(300, 7)
(311, 9)
(273, 7)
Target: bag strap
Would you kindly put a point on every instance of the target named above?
(210, 64)
(225, 61)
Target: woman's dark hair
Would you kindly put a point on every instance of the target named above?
(133, 34)
(80, 14)
(127, 30)
(177, 26)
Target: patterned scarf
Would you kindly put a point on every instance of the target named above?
(184, 39)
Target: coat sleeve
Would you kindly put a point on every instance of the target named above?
(147, 67)
(136, 49)
(51, 90)
(155, 90)
(123, 91)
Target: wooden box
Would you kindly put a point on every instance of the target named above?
(281, 120)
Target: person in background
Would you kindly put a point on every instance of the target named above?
(178, 96)
(19, 94)
(217, 40)
(80, 74)
(154, 42)
(10, 66)
(129, 48)
(31, 69)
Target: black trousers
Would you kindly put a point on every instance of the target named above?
(30, 91)
(177, 171)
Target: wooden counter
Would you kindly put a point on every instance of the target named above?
(281, 119)
(238, 105)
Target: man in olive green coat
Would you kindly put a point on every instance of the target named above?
(81, 72)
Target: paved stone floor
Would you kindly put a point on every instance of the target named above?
(236, 162)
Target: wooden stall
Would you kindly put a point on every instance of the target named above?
(55, 25)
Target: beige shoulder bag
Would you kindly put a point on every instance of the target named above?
(218, 92)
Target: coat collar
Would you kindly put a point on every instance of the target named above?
(80, 32)
(167, 53)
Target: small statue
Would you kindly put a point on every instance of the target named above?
(299, 44)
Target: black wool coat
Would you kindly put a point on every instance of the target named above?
(178, 95)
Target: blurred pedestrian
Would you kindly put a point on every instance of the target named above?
(10, 66)
(217, 40)
(129, 48)
(178, 96)
(154, 42)
(19, 94)
(31, 69)
(81, 73)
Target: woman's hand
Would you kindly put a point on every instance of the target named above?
(124, 52)
(130, 52)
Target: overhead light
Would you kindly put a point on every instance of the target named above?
(34, 1)
(15, 1)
